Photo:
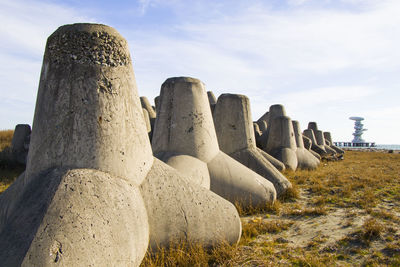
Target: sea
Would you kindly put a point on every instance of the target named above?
(393, 147)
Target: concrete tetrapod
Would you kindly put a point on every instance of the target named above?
(328, 137)
(212, 100)
(78, 203)
(305, 159)
(314, 145)
(185, 127)
(233, 124)
(319, 136)
(281, 142)
(20, 143)
(150, 110)
(275, 111)
(308, 144)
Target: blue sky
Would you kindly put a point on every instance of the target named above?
(325, 60)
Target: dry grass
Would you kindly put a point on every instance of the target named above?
(9, 171)
(5, 138)
(363, 185)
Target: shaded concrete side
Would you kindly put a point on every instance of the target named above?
(305, 159)
(179, 211)
(328, 137)
(255, 161)
(308, 144)
(281, 142)
(314, 146)
(312, 126)
(144, 101)
(193, 169)
(319, 136)
(20, 143)
(237, 183)
(277, 164)
(76, 218)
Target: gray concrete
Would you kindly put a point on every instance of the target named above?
(79, 202)
(308, 144)
(319, 136)
(314, 145)
(111, 135)
(20, 143)
(212, 100)
(157, 103)
(185, 127)
(305, 159)
(281, 142)
(147, 121)
(146, 105)
(233, 124)
(178, 210)
(328, 137)
(312, 126)
(277, 164)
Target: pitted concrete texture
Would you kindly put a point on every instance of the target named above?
(314, 145)
(88, 113)
(75, 217)
(179, 210)
(281, 142)
(305, 159)
(20, 143)
(184, 126)
(328, 137)
(233, 124)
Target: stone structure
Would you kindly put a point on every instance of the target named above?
(305, 159)
(328, 139)
(184, 131)
(320, 150)
(319, 139)
(20, 143)
(233, 124)
(212, 100)
(92, 193)
(281, 142)
(308, 144)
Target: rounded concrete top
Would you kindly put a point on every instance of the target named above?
(275, 111)
(182, 80)
(87, 43)
(313, 126)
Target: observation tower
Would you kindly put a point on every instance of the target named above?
(359, 129)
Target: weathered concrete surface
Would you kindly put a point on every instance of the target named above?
(144, 101)
(233, 124)
(328, 137)
(257, 133)
(264, 117)
(184, 126)
(147, 121)
(312, 125)
(197, 173)
(277, 164)
(319, 136)
(308, 144)
(82, 119)
(263, 126)
(20, 143)
(305, 159)
(76, 218)
(314, 145)
(238, 184)
(281, 142)
(212, 100)
(157, 103)
(179, 210)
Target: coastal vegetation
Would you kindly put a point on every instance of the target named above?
(345, 213)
